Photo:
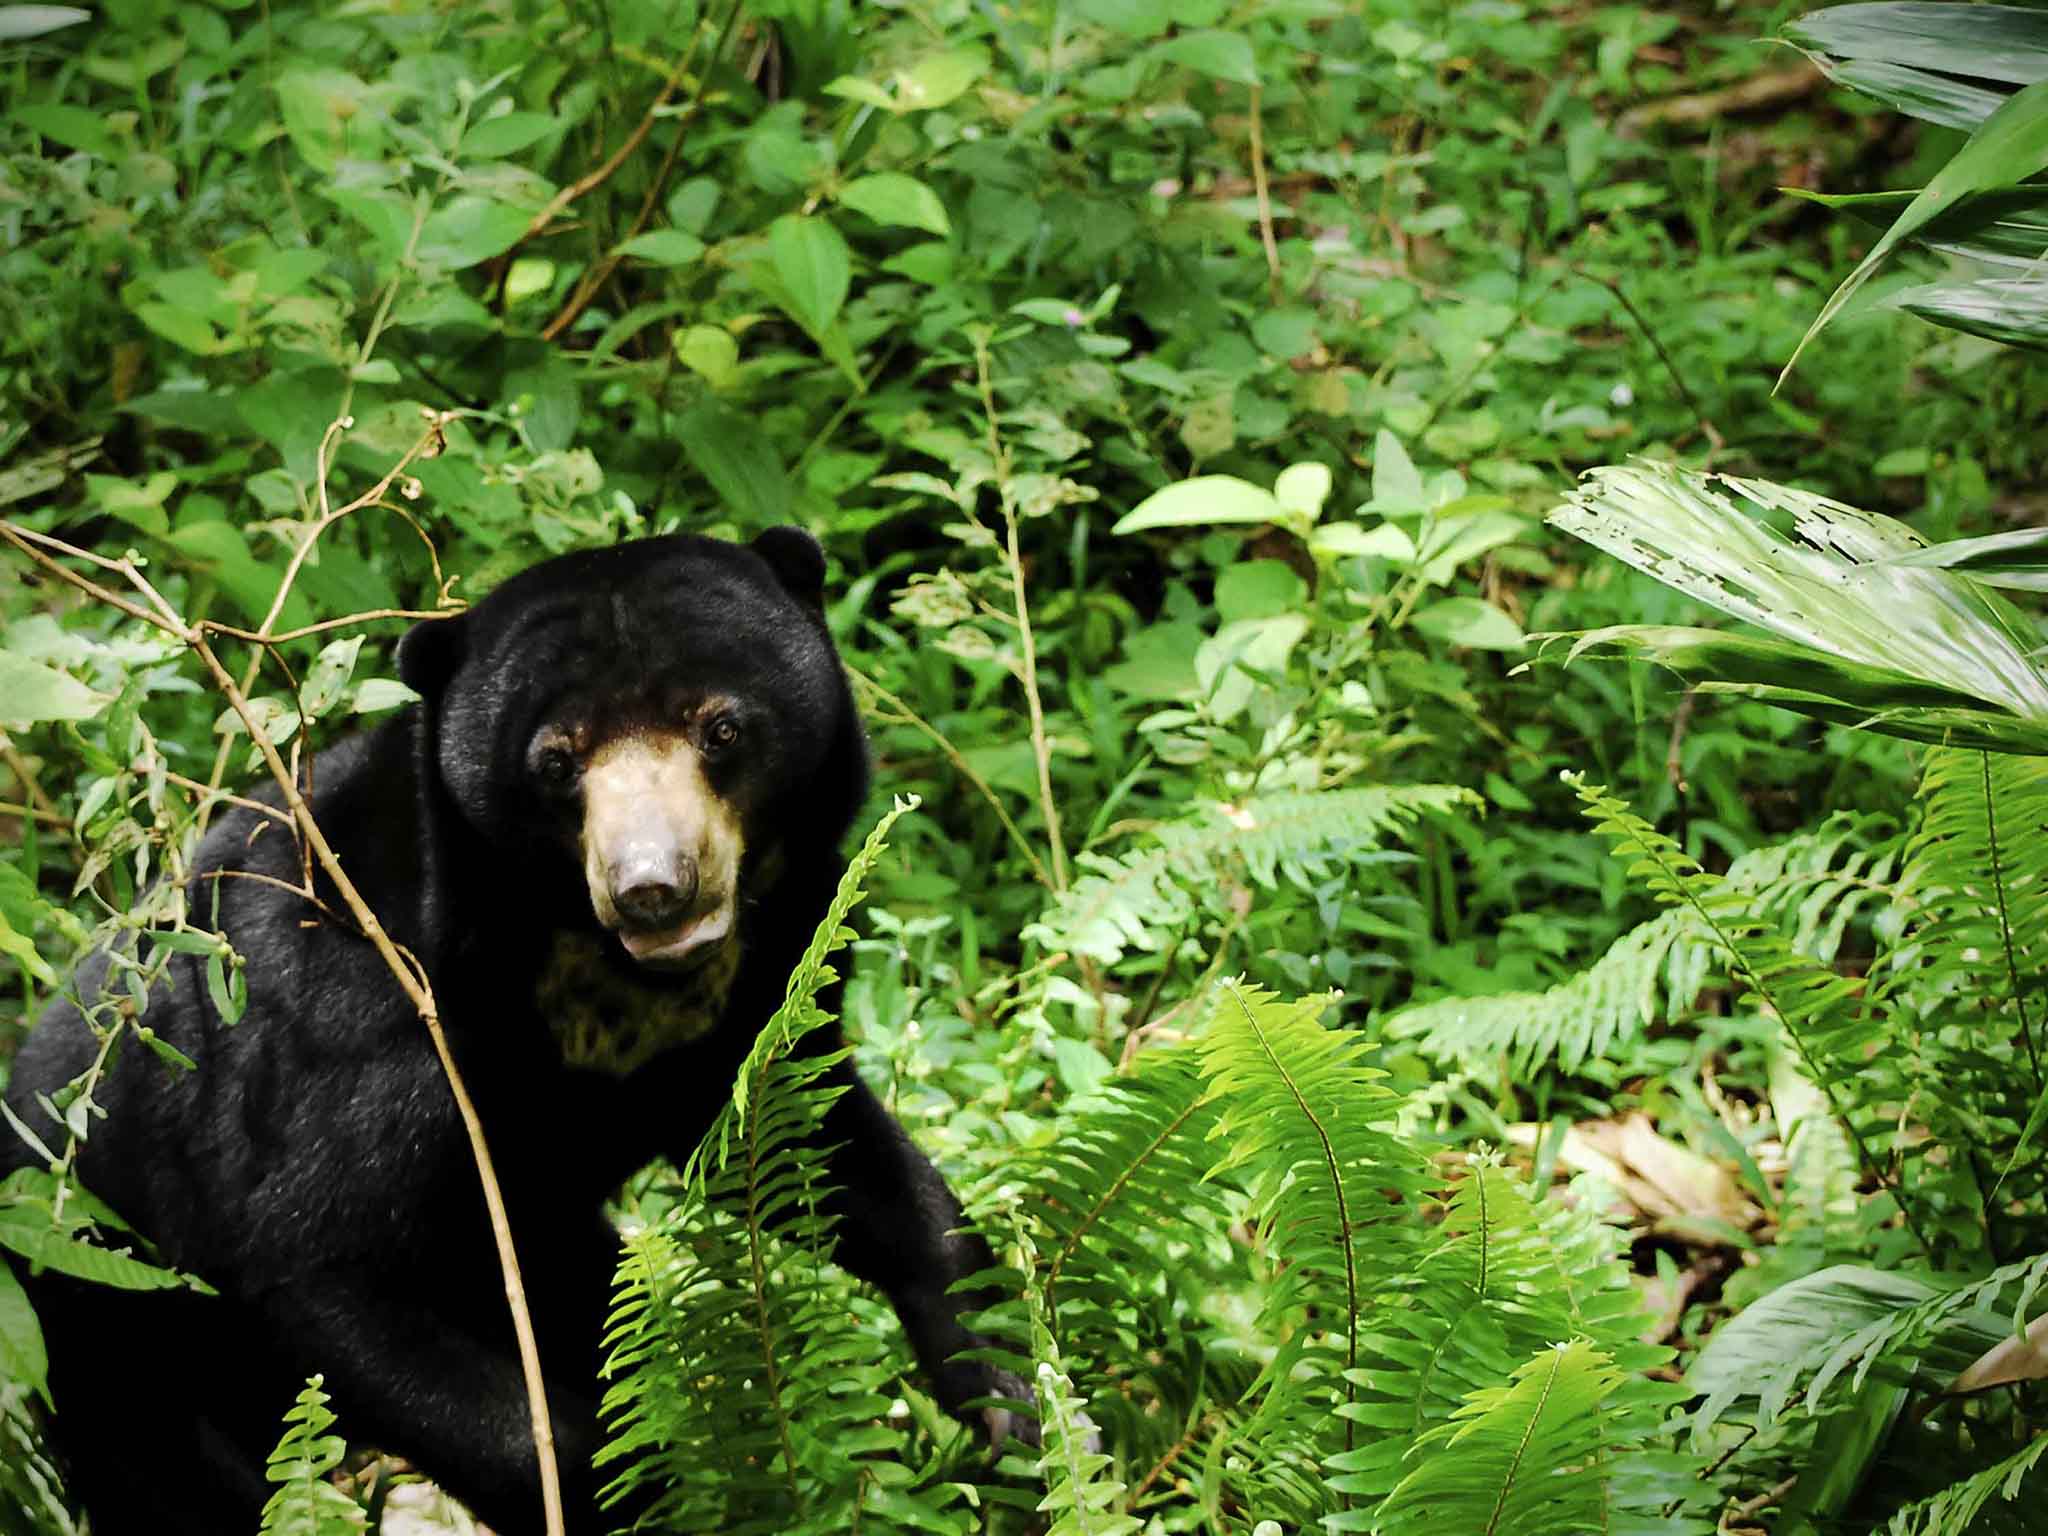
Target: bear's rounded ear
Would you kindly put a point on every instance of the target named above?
(798, 562)
(429, 653)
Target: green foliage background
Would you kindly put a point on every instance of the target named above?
(1179, 388)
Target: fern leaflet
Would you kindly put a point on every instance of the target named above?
(1952, 1511)
(306, 1503)
(1656, 971)
(1513, 1460)
(1140, 900)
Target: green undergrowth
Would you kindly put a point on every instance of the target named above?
(1377, 1127)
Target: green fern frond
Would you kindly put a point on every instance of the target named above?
(1817, 1208)
(1133, 1238)
(740, 1397)
(1972, 966)
(1080, 1491)
(800, 1013)
(1818, 884)
(306, 1503)
(1141, 899)
(1306, 1125)
(30, 1504)
(1505, 1276)
(1122, 1167)
(1953, 1511)
(1515, 1460)
(1830, 1020)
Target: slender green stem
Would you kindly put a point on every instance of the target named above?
(1013, 559)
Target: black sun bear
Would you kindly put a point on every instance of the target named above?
(607, 829)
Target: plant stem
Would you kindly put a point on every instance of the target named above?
(1013, 560)
(961, 766)
(1265, 197)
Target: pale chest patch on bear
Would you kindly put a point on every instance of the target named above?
(603, 1021)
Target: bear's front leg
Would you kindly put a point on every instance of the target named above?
(448, 1393)
(900, 1228)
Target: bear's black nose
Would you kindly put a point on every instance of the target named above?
(648, 897)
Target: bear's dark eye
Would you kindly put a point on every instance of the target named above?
(555, 767)
(722, 734)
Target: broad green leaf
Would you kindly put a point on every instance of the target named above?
(930, 263)
(72, 127)
(1225, 55)
(22, 1356)
(1454, 537)
(2008, 228)
(1388, 541)
(1764, 1351)
(1859, 634)
(1881, 699)
(328, 113)
(2011, 146)
(1303, 488)
(633, 322)
(1848, 1441)
(2006, 43)
(1203, 501)
(1396, 483)
(468, 229)
(864, 91)
(1470, 622)
(550, 403)
(710, 352)
(2017, 558)
(2013, 310)
(140, 504)
(892, 198)
(23, 950)
(132, 67)
(1159, 662)
(29, 1234)
(388, 216)
(1234, 664)
(1921, 93)
(939, 79)
(814, 267)
(1133, 18)
(664, 247)
(220, 550)
(327, 679)
(507, 134)
(1941, 62)
(1258, 589)
(377, 693)
(184, 328)
(30, 691)
(527, 276)
(740, 462)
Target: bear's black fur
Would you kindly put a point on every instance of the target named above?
(314, 1168)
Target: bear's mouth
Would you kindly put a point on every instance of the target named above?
(684, 945)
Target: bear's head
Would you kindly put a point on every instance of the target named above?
(669, 715)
